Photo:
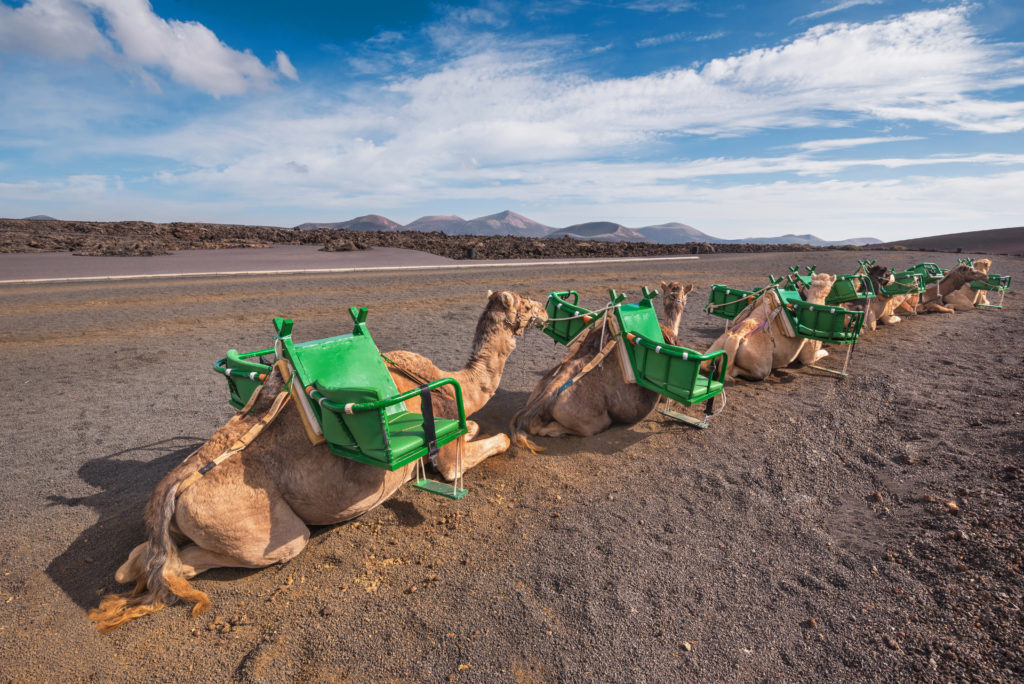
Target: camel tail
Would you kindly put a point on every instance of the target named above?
(156, 569)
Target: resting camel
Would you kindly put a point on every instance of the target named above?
(756, 344)
(933, 298)
(964, 298)
(601, 397)
(252, 510)
(881, 309)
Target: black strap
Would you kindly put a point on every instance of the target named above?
(427, 409)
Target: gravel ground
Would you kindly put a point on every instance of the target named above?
(807, 534)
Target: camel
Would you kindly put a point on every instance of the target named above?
(756, 344)
(964, 298)
(881, 309)
(252, 510)
(932, 299)
(599, 398)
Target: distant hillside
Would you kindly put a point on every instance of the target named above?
(790, 239)
(451, 225)
(40, 217)
(997, 241)
(600, 230)
(505, 223)
(366, 223)
(674, 233)
(510, 223)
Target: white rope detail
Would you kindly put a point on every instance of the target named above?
(348, 408)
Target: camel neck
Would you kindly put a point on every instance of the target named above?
(482, 373)
(675, 319)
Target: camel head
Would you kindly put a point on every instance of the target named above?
(983, 265)
(821, 285)
(880, 276)
(518, 313)
(675, 296)
(967, 274)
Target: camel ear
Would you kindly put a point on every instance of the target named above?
(688, 288)
(507, 299)
(489, 293)
(664, 286)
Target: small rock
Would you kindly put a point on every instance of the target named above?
(611, 497)
(196, 632)
(890, 642)
(952, 507)
(411, 590)
(958, 535)
(876, 497)
(687, 646)
(811, 623)
(927, 498)
(326, 611)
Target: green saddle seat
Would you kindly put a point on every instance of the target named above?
(850, 288)
(727, 302)
(993, 282)
(244, 373)
(832, 324)
(356, 402)
(666, 369)
(905, 283)
(930, 272)
(566, 320)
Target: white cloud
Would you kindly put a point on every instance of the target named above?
(845, 5)
(61, 29)
(284, 65)
(844, 143)
(661, 40)
(188, 52)
(670, 6)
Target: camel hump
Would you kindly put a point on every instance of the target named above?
(418, 368)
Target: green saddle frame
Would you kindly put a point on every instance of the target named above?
(244, 374)
(850, 288)
(727, 302)
(356, 402)
(567, 320)
(832, 324)
(671, 371)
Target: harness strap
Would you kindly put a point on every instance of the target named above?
(242, 442)
(429, 431)
(591, 365)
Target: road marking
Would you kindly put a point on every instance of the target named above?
(351, 269)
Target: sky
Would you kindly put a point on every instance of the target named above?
(843, 118)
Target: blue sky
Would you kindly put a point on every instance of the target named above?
(842, 118)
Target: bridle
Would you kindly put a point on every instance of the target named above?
(517, 320)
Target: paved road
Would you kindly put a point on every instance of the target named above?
(52, 266)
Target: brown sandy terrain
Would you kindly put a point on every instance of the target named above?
(804, 536)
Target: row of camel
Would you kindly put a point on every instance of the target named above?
(254, 508)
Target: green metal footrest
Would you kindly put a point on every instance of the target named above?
(441, 489)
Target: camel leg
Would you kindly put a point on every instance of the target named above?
(472, 429)
(552, 429)
(196, 560)
(890, 320)
(132, 569)
(473, 454)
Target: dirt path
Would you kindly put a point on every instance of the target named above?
(804, 536)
